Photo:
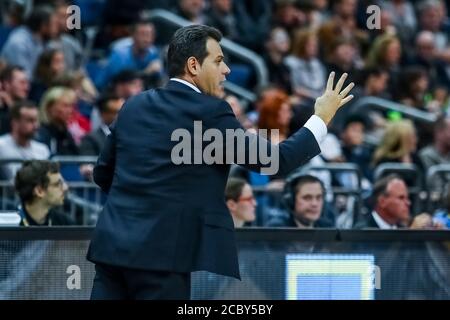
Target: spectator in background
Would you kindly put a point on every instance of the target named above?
(391, 208)
(289, 16)
(412, 87)
(342, 24)
(344, 59)
(304, 197)
(254, 18)
(431, 17)
(398, 144)
(385, 53)
(41, 188)
(439, 151)
(140, 55)
(403, 16)
(125, 84)
(14, 86)
(50, 66)
(240, 202)
(19, 143)
(277, 48)
(68, 44)
(426, 56)
(191, 10)
(57, 108)
(307, 71)
(275, 114)
(26, 43)
(109, 106)
(220, 16)
(353, 148)
(238, 111)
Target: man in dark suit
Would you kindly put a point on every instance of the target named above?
(108, 107)
(164, 220)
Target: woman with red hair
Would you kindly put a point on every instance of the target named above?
(275, 114)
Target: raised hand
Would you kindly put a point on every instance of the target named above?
(331, 100)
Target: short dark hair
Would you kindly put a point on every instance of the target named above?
(32, 174)
(189, 42)
(355, 118)
(380, 186)
(125, 76)
(234, 187)
(304, 179)
(7, 73)
(18, 106)
(102, 102)
(39, 16)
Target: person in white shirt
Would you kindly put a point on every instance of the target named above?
(392, 208)
(19, 143)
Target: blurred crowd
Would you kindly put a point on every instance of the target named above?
(60, 89)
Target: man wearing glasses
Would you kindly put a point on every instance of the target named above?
(41, 188)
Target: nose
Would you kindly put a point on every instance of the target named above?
(227, 70)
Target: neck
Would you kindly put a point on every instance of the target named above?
(238, 223)
(386, 217)
(38, 211)
(21, 141)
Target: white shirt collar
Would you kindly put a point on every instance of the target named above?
(186, 83)
(381, 222)
(105, 129)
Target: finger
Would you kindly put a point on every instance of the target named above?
(340, 83)
(347, 99)
(347, 89)
(330, 81)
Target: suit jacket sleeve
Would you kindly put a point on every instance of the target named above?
(291, 153)
(104, 169)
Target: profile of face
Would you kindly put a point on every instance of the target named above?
(55, 192)
(243, 209)
(19, 86)
(28, 123)
(211, 74)
(143, 36)
(285, 114)
(61, 110)
(309, 202)
(394, 203)
(353, 134)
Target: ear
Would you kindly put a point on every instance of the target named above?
(231, 204)
(39, 191)
(192, 65)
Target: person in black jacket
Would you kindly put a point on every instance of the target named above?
(41, 188)
(163, 217)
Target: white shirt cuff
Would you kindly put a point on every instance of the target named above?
(317, 127)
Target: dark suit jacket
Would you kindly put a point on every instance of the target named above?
(92, 144)
(162, 216)
(367, 222)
